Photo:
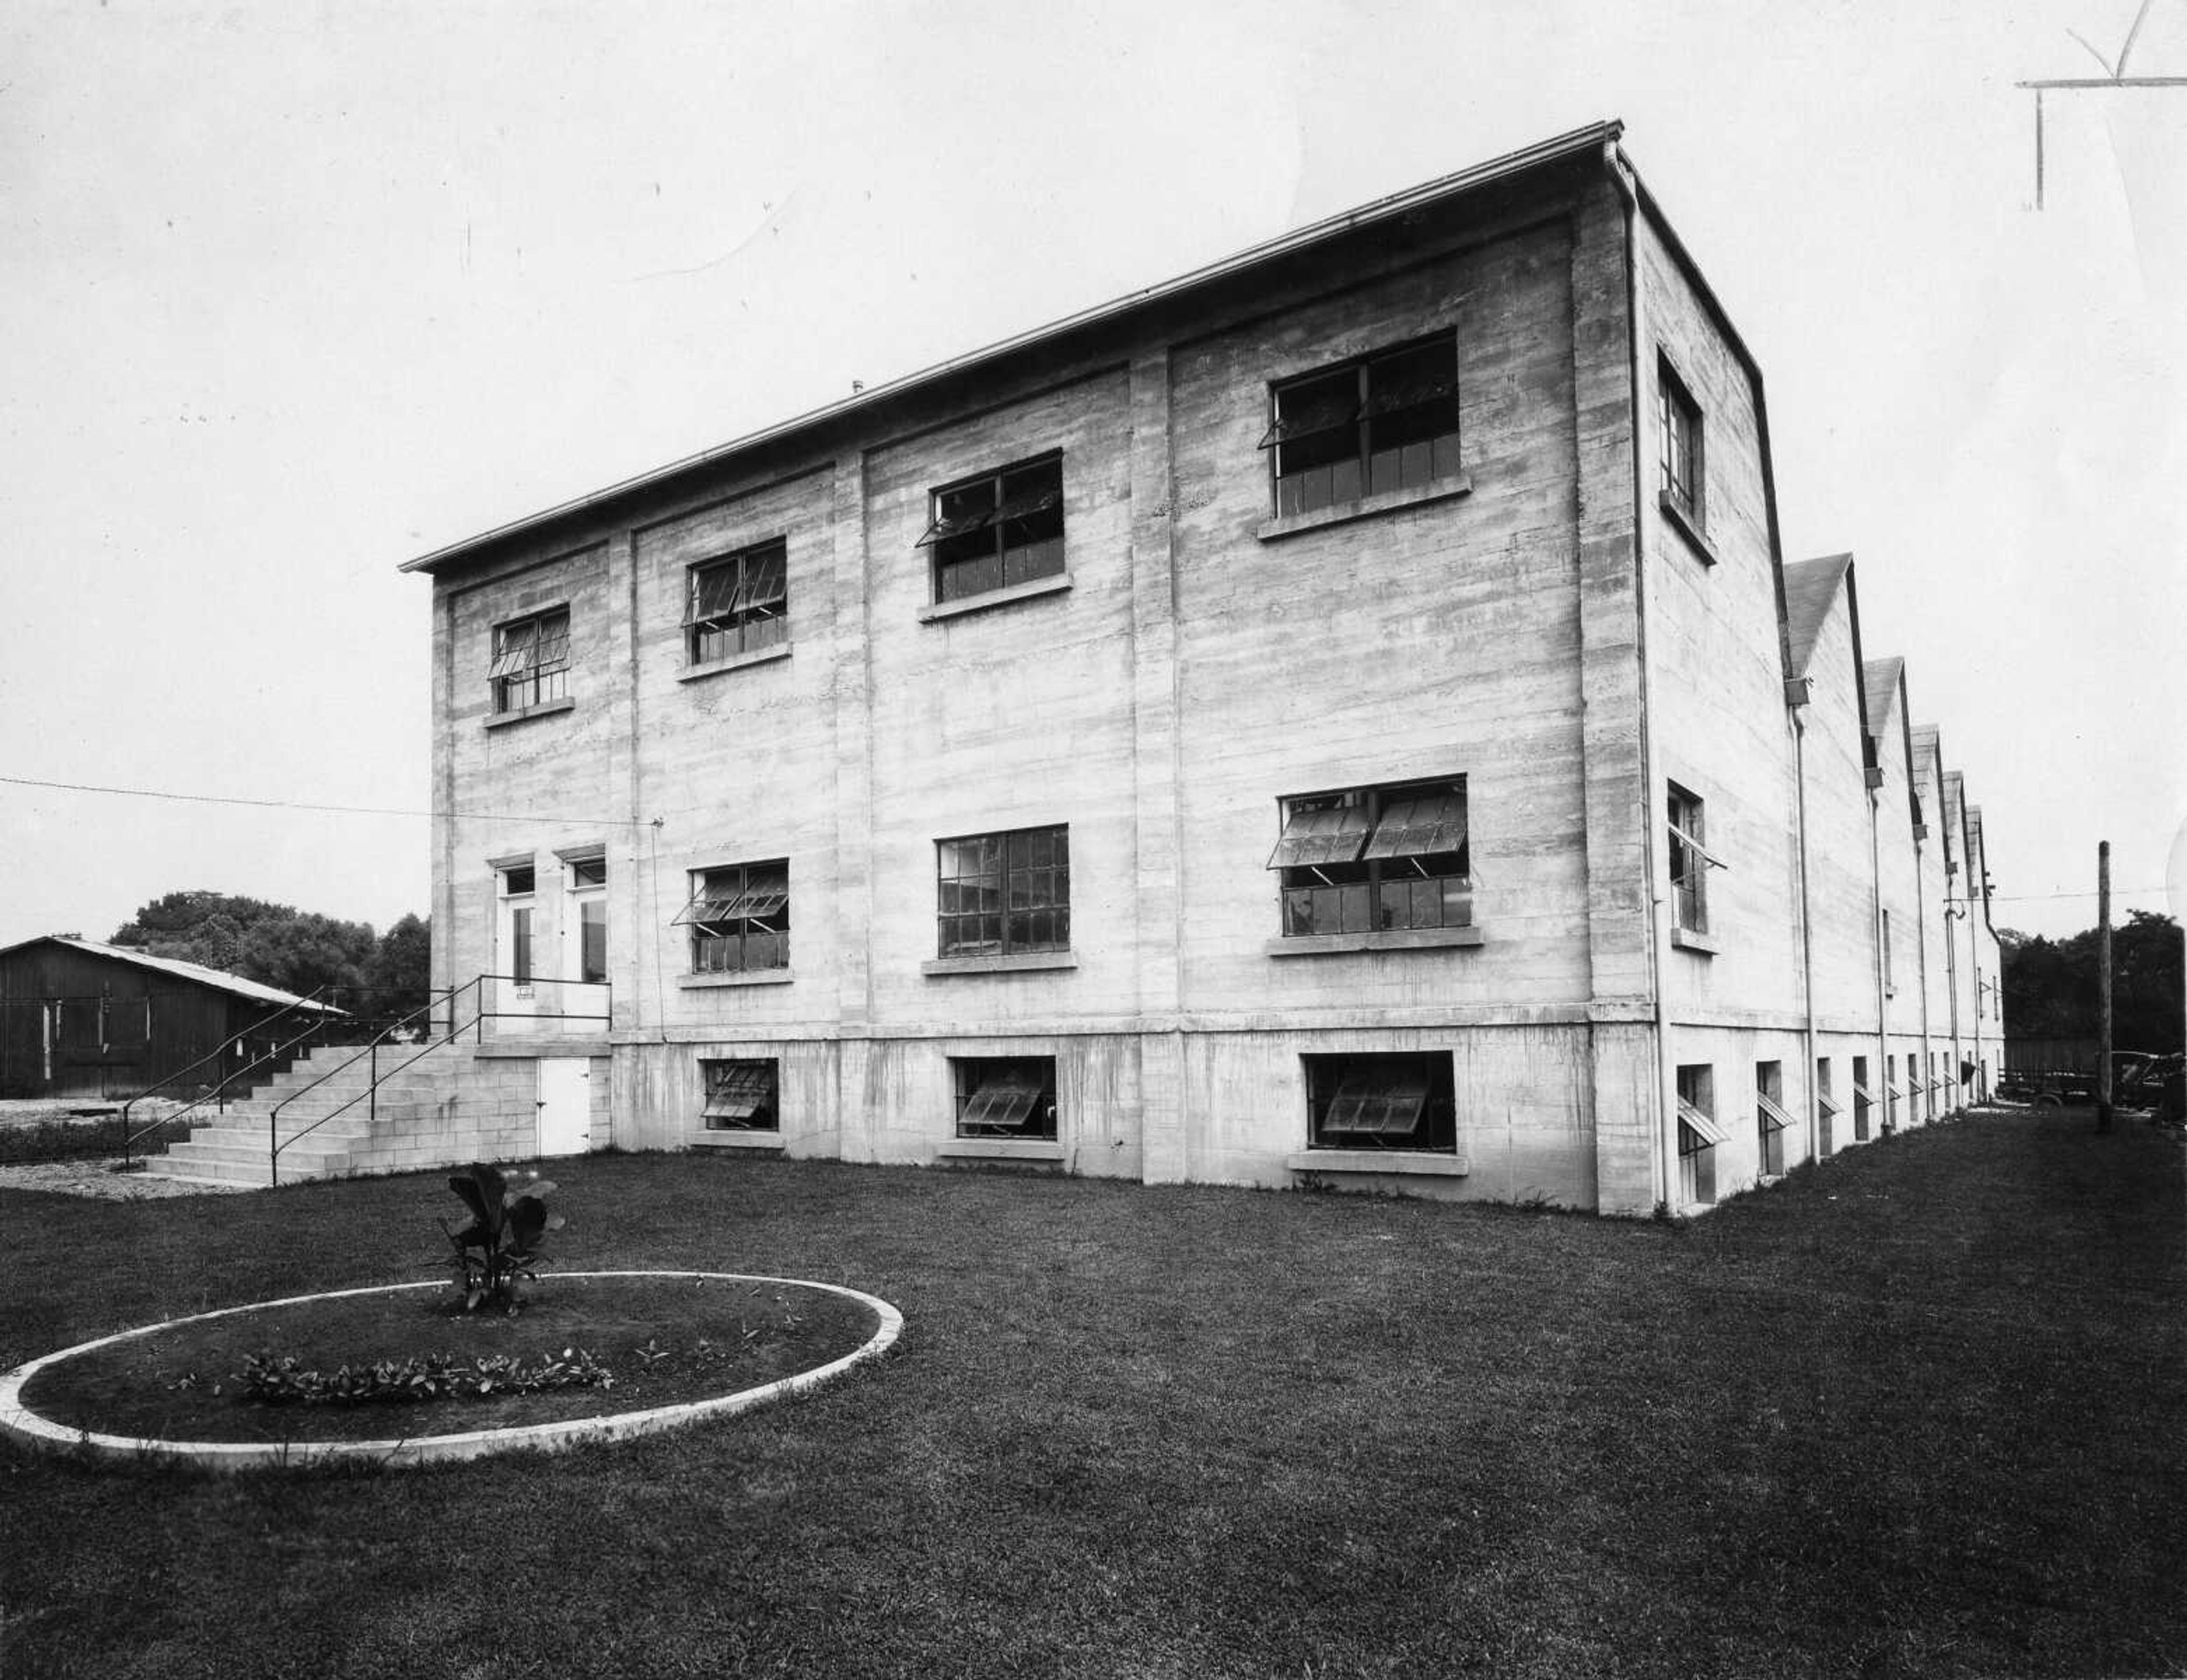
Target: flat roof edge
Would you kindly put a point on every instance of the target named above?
(1593, 136)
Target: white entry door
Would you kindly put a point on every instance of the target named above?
(565, 1105)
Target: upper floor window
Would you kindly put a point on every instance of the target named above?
(1690, 861)
(997, 529)
(1385, 421)
(738, 604)
(739, 918)
(1006, 893)
(531, 660)
(1679, 441)
(1367, 859)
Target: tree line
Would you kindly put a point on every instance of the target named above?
(299, 950)
(2050, 985)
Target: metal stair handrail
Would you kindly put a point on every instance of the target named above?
(130, 1138)
(456, 1029)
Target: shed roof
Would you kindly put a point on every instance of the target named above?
(1810, 586)
(175, 966)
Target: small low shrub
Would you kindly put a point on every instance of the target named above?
(272, 1380)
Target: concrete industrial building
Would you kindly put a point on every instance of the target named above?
(1341, 717)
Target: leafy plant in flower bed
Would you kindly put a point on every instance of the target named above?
(500, 1242)
(284, 1381)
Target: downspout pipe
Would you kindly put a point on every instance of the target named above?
(1797, 692)
(1667, 1140)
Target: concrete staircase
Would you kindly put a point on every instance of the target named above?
(439, 1110)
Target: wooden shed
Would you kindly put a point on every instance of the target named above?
(81, 1019)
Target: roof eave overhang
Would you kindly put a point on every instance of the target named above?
(1590, 140)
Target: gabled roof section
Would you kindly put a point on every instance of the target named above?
(1810, 587)
(1592, 140)
(1883, 678)
(175, 967)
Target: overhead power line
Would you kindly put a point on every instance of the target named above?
(344, 810)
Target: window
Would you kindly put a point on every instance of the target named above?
(996, 530)
(1863, 1100)
(1000, 895)
(1771, 1122)
(1698, 1135)
(516, 886)
(1913, 1089)
(1004, 1097)
(1370, 859)
(739, 918)
(738, 604)
(1380, 1102)
(588, 880)
(1690, 861)
(741, 1096)
(1385, 422)
(1826, 1104)
(532, 661)
(1890, 986)
(1680, 431)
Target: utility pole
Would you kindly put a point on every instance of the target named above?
(2103, 985)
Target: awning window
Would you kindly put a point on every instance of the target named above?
(1829, 1104)
(1418, 827)
(1773, 1113)
(713, 592)
(717, 901)
(1324, 833)
(738, 1090)
(1004, 1102)
(1386, 1108)
(1316, 405)
(1697, 1130)
(1862, 1092)
(1696, 847)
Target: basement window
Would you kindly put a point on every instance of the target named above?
(1004, 1096)
(1382, 422)
(1699, 1135)
(998, 528)
(1381, 1101)
(1771, 1121)
(739, 918)
(1368, 860)
(530, 661)
(738, 604)
(741, 1096)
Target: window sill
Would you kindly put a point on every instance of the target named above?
(1692, 939)
(1419, 1162)
(1000, 965)
(757, 977)
(1683, 525)
(499, 720)
(768, 1142)
(1367, 507)
(996, 597)
(715, 667)
(999, 1149)
(1390, 939)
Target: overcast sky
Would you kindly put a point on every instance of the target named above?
(292, 293)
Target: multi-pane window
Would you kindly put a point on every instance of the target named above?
(1380, 1102)
(741, 1096)
(739, 918)
(1004, 1096)
(1690, 861)
(1001, 528)
(1366, 860)
(516, 886)
(1679, 438)
(738, 604)
(1385, 421)
(1771, 1121)
(1002, 894)
(1699, 1134)
(531, 660)
(588, 879)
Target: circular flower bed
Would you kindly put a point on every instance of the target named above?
(394, 1375)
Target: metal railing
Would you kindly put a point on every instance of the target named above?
(453, 1027)
(130, 1138)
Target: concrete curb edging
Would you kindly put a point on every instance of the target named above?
(19, 1421)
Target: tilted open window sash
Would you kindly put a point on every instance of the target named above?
(1697, 1130)
(1327, 833)
(1695, 848)
(1420, 826)
(714, 592)
(737, 1090)
(756, 901)
(1309, 414)
(1003, 1103)
(1863, 1092)
(1773, 1112)
(942, 527)
(1828, 1103)
(1380, 1108)
(1396, 389)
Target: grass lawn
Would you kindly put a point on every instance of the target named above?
(1922, 1412)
